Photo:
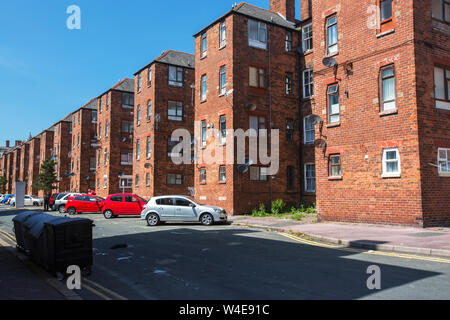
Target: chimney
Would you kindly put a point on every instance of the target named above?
(305, 10)
(18, 142)
(284, 7)
(7, 143)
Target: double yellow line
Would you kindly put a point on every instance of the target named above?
(92, 286)
(372, 252)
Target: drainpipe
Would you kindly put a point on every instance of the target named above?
(270, 107)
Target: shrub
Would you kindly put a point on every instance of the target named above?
(278, 206)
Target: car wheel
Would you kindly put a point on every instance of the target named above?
(108, 214)
(206, 219)
(62, 209)
(152, 220)
(71, 211)
(35, 204)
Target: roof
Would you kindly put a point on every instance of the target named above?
(126, 85)
(256, 13)
(175, 58)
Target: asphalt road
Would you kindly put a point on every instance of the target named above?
(189, 261)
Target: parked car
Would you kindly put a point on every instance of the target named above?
(2, 196)
(181, 208)
(57, 196)
(52, 199)
(123, 204)
(28, 201)
(84, 203)
(61, 201)
(7, 197)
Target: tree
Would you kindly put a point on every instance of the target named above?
(3, 183)
(47, 177)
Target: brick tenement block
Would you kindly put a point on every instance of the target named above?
(46, 150)
(23, 166)
(161, 92)
(33, 164)
(62, 149)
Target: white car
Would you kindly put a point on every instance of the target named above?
(60, 203)
(28, 201)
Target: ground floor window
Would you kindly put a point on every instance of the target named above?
(444, 160)
(310, 177)
(391, 162)
(257, 174)
(174, 179)
(335, 165)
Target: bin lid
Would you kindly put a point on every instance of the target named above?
(25, 215)
(36, 223)
(67, 221)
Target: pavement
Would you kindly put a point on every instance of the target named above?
(428, 242)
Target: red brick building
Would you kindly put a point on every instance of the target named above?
(163, 103)
(15, 166)
(46, 150)
(62, 149)
(33, 164)
(247, 78)
(23, 163)
(383, 140)
(83, 152)
(115, 140)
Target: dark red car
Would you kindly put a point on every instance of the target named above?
(84, 203)
(123, 204)
(52, 199)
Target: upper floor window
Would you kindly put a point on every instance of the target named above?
(444, 160)
(257, 174)
(203, 46)
(223, 129)
(127, 126)
(257, 34)
(174, 179)
(149, 110)
(94, 116)
(290, 130)
(138, 115)
(149, 79)
(335, 165)
(257, 77)
(307, 39)
(126, 157)
(223, 34)
(138, 149)
(106, 157)
(388, 95)
(107, 101)
(139, 83)
(288, 83)
(333, 104)
(385, 10)
(175, 110)
(176, 76)
(332, 35)
(309, 130)
(442, 87)
(440, 10)
(99, 107)
(288, 44)
(222, 174)
(106, 128)
(202, 175)
(203, 88)
(127, 100)
(149, 147)
(222, 81)
(257, 124)
(203, 133)
(100, 131)
(308, 84)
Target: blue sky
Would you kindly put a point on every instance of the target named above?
(47, 70)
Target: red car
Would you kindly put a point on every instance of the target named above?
(84, 203)
(52, 199)
(123, 204)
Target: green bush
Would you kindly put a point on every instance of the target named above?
(278, 206)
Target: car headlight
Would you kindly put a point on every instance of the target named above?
(218, 210)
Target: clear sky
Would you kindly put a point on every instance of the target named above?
(47, 70)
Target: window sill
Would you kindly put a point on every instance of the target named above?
(310, 192)
(203, 56)
(203, 101)
(310, 51)
(388, 113)
(332, 54)
(385, 33)
(391, 175)
(444, 174)
(333, 125)
(336, 178)
(222, 46)
(222, 182)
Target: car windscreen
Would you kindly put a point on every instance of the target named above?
(142, 199)
(60, 196)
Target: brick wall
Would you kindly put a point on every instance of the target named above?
(33, 164)
(46, 150)
(62, 148)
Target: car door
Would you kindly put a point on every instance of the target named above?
(27, 201)
(166, 208)
(184, 210)
(132, 205)
(116, 204)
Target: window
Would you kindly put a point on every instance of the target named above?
(176, 76)
(222, 81)
(307, 40)
(442, 87)
(203, 175)
(127, 126)
(99, 156)
(288, 41)
(125, 183)
(257, 124)
(290, 177)
(78, 140)
(288, 83)
(385, 10)
(203, 46)
(203, 133)
(147, 179)
(223, 129)
(309, 130)
(149, 110)
(171, 144)
(165, 202)
(332, 35)
(203, 88)
(70, 128)
(175, 110)
(257, 77)
(94, 116)
(99, 107)
(391, 162)
(441, 10)
(149, 78)
(137, 183)
(139, 83)
(149, 147)
(289, 130)
(138, 115)
(127, 100)
(92, 163)
(107, 101)
(106, 128)
(100, 131)
(222, 174)
(126, 157)
(174, 179)
(308, 84)
(335, 166)
(444, 160)
(257, 174)
(223, 35)
(333, 104)
(116, 198)
(105, 182)
(138, 149)
(388, 95)
(310, 177)
(257, 34)
(106, 157)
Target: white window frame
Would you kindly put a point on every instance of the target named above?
(309, 84)
(305, 131)
(307, 177)
(203, 45)
(222, 80)
(203, 90)
(442, 4)
(259, 42)
(446, 160)
(329, 45)
(305, 39)
(384, 160)
(444, 102)
(222, 34)
(179, 76)
(331, 93)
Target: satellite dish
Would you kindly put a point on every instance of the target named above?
(320, 143)
(251, 107)
(329, 62)
(123, 139)
(248, 162)
(315, 119)
(242, 168)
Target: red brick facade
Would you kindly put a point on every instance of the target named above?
(33, 164)
(62, 149)
(46, 150)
